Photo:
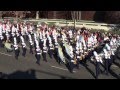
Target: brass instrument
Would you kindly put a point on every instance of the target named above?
(81, 57)
(86, 53)
(75, 60)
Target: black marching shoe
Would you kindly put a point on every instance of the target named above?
(45, 60)
(37, 62)
(16, 58)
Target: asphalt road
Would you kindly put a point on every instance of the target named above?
(26, 68)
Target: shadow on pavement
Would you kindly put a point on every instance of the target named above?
(114, 74)
(53, 74)
(29, 74)
(117, 64)
(90, 71)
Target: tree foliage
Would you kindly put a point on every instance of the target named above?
(112, 17)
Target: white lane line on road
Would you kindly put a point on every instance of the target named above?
(61, 68)
(6, 54)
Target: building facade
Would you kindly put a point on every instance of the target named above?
(83, 15)
(79, 15)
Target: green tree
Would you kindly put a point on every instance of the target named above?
(112, 17)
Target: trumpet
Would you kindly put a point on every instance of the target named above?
(75, 60)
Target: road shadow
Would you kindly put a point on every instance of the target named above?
(53, 74)
(29, 74)
(117, 64)
(114, 74)
(88, 69)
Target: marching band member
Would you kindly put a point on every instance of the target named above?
(94, 41)
(25, 29)
(77, 54)
(81, 50)
(1, 33)
(8, 27)
(98, 61)
(106, 39)
(31, 29)
(40, 35)
(38, 53)
(107, 59)
(40, 39)
(16, 48)
(30, 43)
(7, 36)
(23, 46)
(114, 42)
(1, 26)
(81, 44)
(64, 38)
(84, 44)
(51, 47)
(111, 53)
(4, 28)
(47, 34)
(13, 31)
(118, 41)
(56, 46)
(22, 31)
(71, 58)
(17, 36)
(44, 34)
(35, 36)
(54, 33)
(1, 38)
(70, 35)
(89, 43)
(35, 39)
(44, 50)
